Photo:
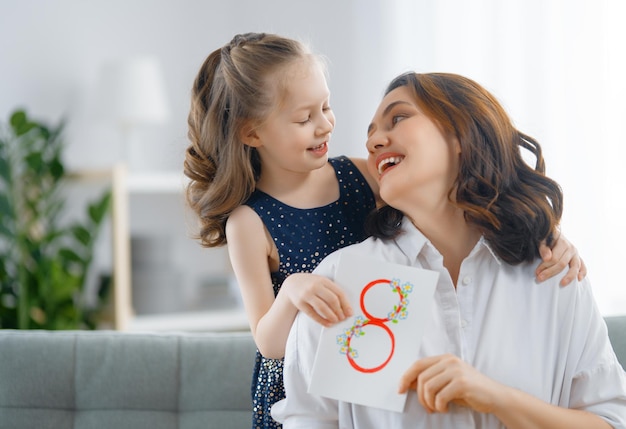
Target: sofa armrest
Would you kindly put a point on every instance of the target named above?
(617, 334)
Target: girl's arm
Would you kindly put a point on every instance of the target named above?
(441, 380)
(251, 251)
(361, 164)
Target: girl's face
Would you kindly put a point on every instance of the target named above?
(295, 135)
(414, 162)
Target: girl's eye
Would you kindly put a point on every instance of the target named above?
(326, 109)
(305, 121)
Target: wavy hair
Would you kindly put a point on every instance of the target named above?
(514, 206)
(236, 87)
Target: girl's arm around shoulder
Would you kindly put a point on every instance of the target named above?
(361, 164)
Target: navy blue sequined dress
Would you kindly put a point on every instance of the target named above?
(303, 238)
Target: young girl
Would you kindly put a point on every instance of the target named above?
(498, 350)
(261, 180)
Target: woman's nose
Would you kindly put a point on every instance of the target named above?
(375, 141)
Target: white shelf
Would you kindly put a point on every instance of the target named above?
(206, 321)
(152, 182)
(157, 182)
(125, 186)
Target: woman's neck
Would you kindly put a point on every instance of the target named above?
(451, 235)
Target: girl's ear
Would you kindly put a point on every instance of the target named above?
(249, 136)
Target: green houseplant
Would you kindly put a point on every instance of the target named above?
(43, 264)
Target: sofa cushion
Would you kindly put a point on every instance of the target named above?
(105, 379)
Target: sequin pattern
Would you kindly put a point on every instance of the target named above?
(303, 238)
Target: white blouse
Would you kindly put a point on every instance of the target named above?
(544, 339)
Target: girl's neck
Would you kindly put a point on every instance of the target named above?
(312, 189)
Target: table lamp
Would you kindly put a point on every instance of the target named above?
(133, 95)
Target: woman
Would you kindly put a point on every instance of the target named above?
(499, 350)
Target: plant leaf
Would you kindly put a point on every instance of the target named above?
(18, 119)
(5, 206)
(5, 170)
(100, 208)
(56, 168)
(35, 161)
(70, 255)
(20, 123)
(82, 234)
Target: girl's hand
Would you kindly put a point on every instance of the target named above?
(556, 259)
(444, 379)
(320, 298)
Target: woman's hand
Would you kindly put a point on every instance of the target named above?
(320, 298)
(562, 254)
(441, 380)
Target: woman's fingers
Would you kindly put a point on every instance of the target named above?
(420, 371)
(440, 380)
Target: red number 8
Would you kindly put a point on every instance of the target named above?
(398, 312)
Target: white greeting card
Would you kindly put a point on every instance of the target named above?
(361, 359)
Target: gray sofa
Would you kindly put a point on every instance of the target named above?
(100, 379)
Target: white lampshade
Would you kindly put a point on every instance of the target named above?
(133, 91)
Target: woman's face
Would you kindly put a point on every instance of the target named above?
(413, 161)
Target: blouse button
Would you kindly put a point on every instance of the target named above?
(466, 280)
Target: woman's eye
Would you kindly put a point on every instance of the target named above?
(397, 118)
(326, 109)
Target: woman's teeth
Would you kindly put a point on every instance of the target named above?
(389, 162)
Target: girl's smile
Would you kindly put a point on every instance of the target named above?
(319, 150)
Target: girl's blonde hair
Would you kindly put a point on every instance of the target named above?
(236, 87)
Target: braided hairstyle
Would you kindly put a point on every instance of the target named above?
(514, 206)
(236, 87)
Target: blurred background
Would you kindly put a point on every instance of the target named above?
(557, 66)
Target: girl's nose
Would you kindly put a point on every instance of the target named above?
(325, 125)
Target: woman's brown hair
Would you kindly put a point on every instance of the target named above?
(514, 206)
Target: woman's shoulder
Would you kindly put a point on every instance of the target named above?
(522, 277)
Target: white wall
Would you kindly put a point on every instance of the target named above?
(52, 52)
(556, 65)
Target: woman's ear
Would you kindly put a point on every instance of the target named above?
(456, 145)
(249, 136)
